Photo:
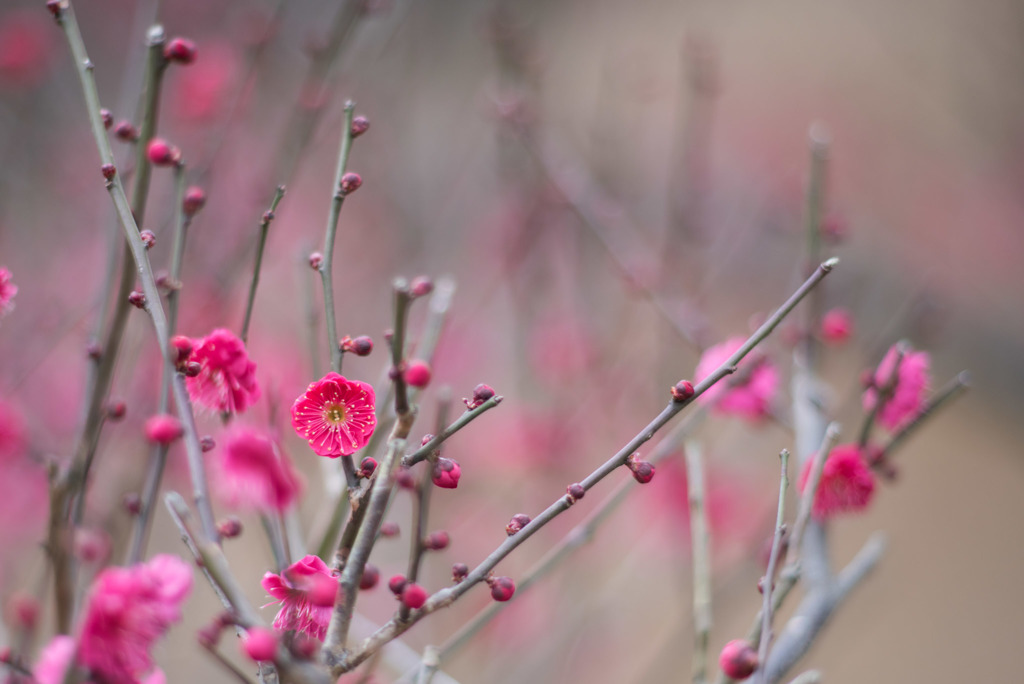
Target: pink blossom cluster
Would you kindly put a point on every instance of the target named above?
(749, 392)
(908, 388)
(250, 472)
(847, 483)
(226, 381)
(127, 611)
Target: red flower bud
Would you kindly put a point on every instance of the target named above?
(370, 578)
(437, 541)
(682, 391)
(316, 260)
(575, 492)
(414, 596)
(116, 409)
(446, 473)
(108, 171)
(421, 286)
(195, 199)
(417, 373)
(350, 182)
(230, 527)
(459, 572)
(206, 443)
(367, 466)
(148, 238)
(738, 659)
(162, 153)
(260, 644)
(180, 50)
(518, 522)
(137, 299)
(389, 529)
(108, 118)
(163, 429)
(397, 583)
(502, 588)
(360, 125)
(125, 132)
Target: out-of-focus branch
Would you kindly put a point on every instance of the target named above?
(700, 540)
(773, 558)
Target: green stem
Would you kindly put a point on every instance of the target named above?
(268, 216)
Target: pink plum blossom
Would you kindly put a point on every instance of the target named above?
(847, 484)
(908, 393)
(250, 472)
(227, 377)
(748, 393)
(336, 416)
(305, 591)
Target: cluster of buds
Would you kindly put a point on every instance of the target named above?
(181, 348)
(409, 593)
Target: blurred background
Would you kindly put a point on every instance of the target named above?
(613, 186)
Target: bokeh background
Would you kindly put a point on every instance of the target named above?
(681, 130)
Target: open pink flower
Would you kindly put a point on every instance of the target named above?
(251, 472)
(908, 395)
(127, 611)
(748, 393)
(7, 292)
(847, 483)
(227, 377)
(335, 415)
(305, 591)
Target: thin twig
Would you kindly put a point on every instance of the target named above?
(341, 662)
(268, 217)
(462, 421)
(225, 663)
(773, 558)
(158, 454)
(701, 544)
(950, 391)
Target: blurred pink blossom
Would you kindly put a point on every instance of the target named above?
(908, 395)
(7, 292)
(54, 660)
(336, 416)
(26, 48)
(251, 472)
(847, 483)
(748, 393)
(127, 611)
(305, 606)
(227, 377)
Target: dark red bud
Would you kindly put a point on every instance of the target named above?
(518, 522)
(180, 50)
(108, 171)
(125, 132)
(116, 409)
(370, 578)
(360, 125)
(682, 391)
(459, 572)
(350, 182)
(137, 299)
(437, 541)
(397, 583)
(367, 466)
(206, 443)
(108, 118)
(502, 588)
(316, 260)
(132, 503)
(148, 238)
(229, 528)
(195, 199)
(192, 369)
(575, 492)
(643, 472)
(405, 479)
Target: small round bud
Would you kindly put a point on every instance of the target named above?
(502, 588)
(405, 479)
(316, 260)
(163, 429)
(417, 373)
(437, 541)
(56, 8)
(125, 132)
(132, 503)
(108, 171)
(107, 117)
(192, 369)
(738, 659)
(148, 238)
(181, 346)
(397, 584)
(421, 286)
(259, 644)
(23, 610)
(518, 522)
(94, 351)
(229, 527)
(426, 439)
(206, 443)
(682, 391)
(446, 473)
(195, 199)
(360, 346)
(116, 408)
(360, 125)
(643, 472)
(350, 182)
(836, 326)
(162, 153)
(180, 50)
(459, 572)
(367, 466)
(575, 492)
(414, 596)
(370, 578)
(390, 529)
(91, 545)
(482, 393)
(137, 299)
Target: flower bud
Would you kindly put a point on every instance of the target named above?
(682, 391)
(360, 125)
(194, 200)
(108, 171)
(162, 153)
(180, 50)
(446, 473)
(126, 132)
(107, 117)
(367, 466)
(163, 429)
(116, 408)
(502, 588)
(260, 644)
(459, 572)
(738, 659)
(417, 373)
(350, 182)
(397, 584)
(137, 299)
(481, 393)
(437, 541)
(643, 472)
(360, 346)
(575, 492)
(132, 503)
(229, 527)
(316, 260)
(370, 578)
(414, 596)
(421, 286)
(390, 529)
(518, 522)
(148, 238)
(206, 443)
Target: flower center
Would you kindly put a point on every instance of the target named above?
(334, 413)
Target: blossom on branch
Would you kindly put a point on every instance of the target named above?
(127, 611)
(908, 388)
(252, 473)
(847, 483)
(7, 292)
(336, 416)
(306, 591)
(747, 393)
(227, 377)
